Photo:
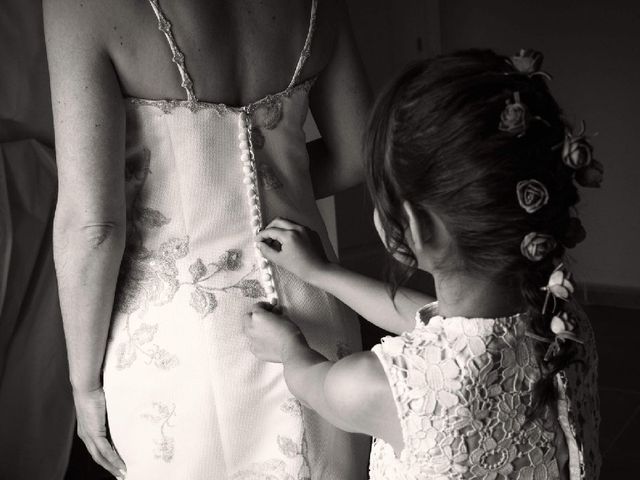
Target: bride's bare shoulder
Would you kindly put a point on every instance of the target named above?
(90, 22)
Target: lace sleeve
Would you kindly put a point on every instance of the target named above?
(390, 353)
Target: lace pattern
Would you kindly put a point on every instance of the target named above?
(177, 56)
(192, 102)
(306, 49)
(168, 106)
(462, 388)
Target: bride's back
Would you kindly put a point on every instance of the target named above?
(235, 51)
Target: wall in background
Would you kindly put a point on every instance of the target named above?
(389, 35)
(592, 48)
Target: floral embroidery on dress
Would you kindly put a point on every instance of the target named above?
(140, 343)
(269, 113)
(162, 415)
(342, 350)
(152, 277)
(291, 449)
(462, 405)
(269, 470)
(268, 178)
(257, 138)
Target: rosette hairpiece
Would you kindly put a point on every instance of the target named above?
(574, 233)
(529, 62)
(515, 117)
(577, 152)
(535, 246)
(532, 195)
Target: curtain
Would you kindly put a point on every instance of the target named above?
(36, 407)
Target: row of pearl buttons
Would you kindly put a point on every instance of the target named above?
(248, 159)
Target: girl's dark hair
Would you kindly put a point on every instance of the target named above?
(433, 140)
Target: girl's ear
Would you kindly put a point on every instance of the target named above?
(427, 230)
(419, 232)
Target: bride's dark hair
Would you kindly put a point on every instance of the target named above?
(433, 140)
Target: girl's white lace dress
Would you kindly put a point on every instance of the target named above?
(462, 386)
(186, 399)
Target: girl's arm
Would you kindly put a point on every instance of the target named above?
(340, 102)
(353, 394)
(299, 251)
(89, 224)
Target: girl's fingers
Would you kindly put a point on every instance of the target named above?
(267, 251)
(285, 224)
(274, 233)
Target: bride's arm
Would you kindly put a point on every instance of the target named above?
(89, 224)
(340, 102)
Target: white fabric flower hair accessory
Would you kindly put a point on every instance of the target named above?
(558, 286)
(532, 195)
(563, 326)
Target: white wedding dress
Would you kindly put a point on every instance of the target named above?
(186, 399)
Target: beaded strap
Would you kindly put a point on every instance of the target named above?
(306, 50)
(177, 56)
(247, 156)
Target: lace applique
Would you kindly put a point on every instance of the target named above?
(167, 106)
(276, 469)
(306, 49)
(269, 470)
(152, 277)
(161, 415)
(462, 388)
(267, 177)
(343, 350)
(269, 113)
(292, 449)
(140, 342)
(177, 56)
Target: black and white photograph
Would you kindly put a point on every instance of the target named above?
(319, 240)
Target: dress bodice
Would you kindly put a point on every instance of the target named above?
(186, 398)
(214, 171)
(462, 387)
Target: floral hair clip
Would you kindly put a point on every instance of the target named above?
(577, 153)
(528, 62)
(563, 327)
(574, 233)
(515, 117)
(558, 286)
(532, 195)
(535, 246)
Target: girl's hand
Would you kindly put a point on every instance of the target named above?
(292, 246)
(271, 334)
(92, 430)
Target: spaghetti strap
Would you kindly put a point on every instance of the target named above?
(177, 56)
(306, 50)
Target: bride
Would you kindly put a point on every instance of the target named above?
(178, 137)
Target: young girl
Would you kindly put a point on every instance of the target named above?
(473, 173)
